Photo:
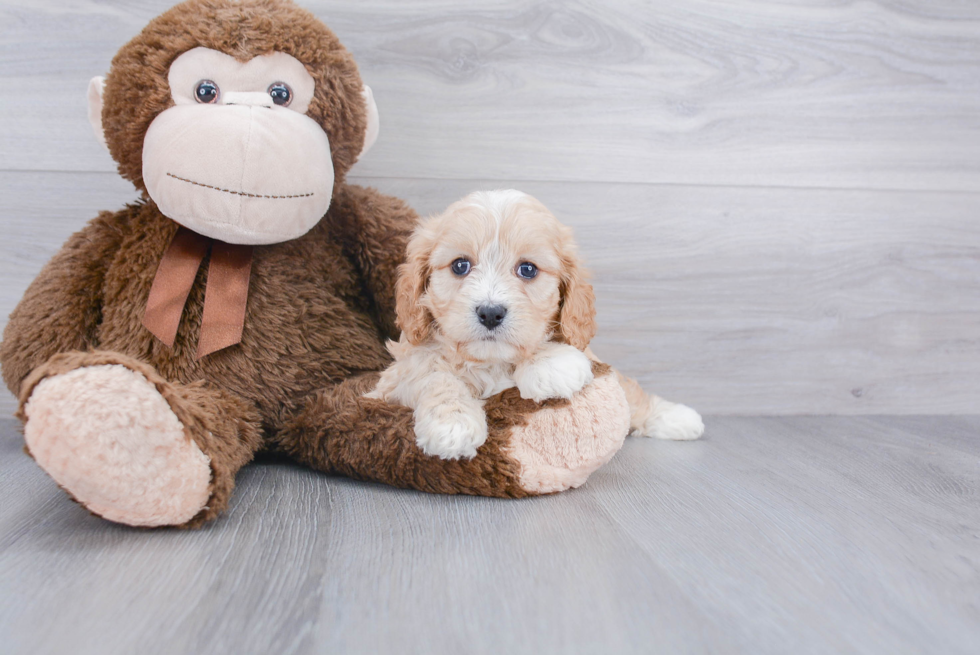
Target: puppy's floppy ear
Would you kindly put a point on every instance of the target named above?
(412, 318)
(576, 309)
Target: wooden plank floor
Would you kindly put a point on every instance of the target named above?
(772, 535)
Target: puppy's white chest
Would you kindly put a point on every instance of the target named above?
(486, 381)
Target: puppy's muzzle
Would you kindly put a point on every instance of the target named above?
(491, 315)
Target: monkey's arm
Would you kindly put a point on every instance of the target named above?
(531, 448)
(375, 229)
(62, 308)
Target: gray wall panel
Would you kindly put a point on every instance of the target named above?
(779, 200)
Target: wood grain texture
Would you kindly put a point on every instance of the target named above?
(733, 300)
(791, 535)
(819, 94)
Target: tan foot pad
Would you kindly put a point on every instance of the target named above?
(107, 436)
(560, 447)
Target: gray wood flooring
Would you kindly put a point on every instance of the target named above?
(772, 535)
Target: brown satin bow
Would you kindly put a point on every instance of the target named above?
(224, 296)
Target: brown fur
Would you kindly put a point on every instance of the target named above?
(366, 439)
(319, 309)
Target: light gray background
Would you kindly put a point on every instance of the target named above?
(779, 201)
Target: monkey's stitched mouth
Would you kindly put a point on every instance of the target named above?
(238, 193)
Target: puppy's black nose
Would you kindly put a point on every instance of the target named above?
(491, 315)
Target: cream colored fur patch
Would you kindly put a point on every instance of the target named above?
(106, 435)
(559, 448)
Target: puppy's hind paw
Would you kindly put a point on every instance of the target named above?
(675, 422)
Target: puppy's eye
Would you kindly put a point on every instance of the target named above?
(206, 92)
(527, 270)
(461, 266)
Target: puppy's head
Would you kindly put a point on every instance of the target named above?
(497, 275)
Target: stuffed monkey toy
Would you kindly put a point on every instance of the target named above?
(242, 305)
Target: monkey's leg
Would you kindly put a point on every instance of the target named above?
(132, 447)
(531, 448)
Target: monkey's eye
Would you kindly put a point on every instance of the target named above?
(281, 94)
(527, 270)
(206, 92)
(461, 266)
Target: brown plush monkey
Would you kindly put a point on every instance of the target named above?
(243, 304)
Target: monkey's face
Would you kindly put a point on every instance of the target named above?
(238, 118)
(236, 158)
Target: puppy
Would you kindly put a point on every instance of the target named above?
(492, 295)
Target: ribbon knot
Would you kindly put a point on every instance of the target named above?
(224, 297)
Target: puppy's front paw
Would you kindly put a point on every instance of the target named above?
(559, 375)
(675, 422)
(450, 432)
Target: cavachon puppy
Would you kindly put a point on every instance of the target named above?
(492, 296)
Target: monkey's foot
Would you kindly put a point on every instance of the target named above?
(559, 447)
(107, 436)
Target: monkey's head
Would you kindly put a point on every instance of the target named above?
(236, 117)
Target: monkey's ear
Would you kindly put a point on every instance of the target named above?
(95, 88)
(373, 120)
